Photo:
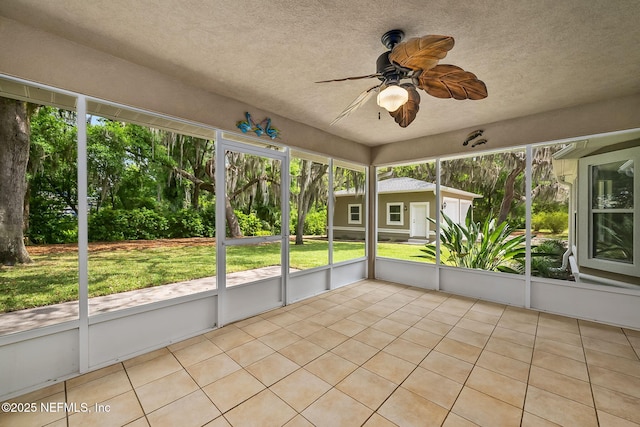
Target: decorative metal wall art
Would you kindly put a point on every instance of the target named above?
(473, 135)
(264, 127)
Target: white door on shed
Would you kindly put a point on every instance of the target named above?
(419, 221)
(451, 208)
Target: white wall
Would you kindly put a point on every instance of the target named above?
(605, 304)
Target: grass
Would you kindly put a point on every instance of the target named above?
(53, 278)
(402, 251)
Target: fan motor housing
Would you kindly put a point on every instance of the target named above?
(384, 65)
(388, 70)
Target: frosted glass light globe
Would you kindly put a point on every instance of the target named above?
(393, 97)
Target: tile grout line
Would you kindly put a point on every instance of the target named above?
(375, 411)
(475, 364)
(586, 363)
(449, 411)
(144, 413)
(332, 386)
(591, 384)
(636, 351)
(431, 350)
(268, 387)
(66, 399)
(533, 350)
(449, 297)
(359, 366)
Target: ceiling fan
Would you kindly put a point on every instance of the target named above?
(416, 60)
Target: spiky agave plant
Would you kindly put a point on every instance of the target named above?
(484, 246)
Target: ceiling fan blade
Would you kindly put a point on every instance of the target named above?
(360, 100)
(421, 53)
(407, 112)
(369, 76)
(450, 81)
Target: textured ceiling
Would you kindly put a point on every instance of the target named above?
(534, 56)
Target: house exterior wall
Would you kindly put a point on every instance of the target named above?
(342, 230)
(386, 231)
(391, 232)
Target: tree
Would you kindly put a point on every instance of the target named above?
(52, 190)
(312, 188)
(14, 157)
(251, 181)
(253, 185)
(107, 155)
(515, 162)
(191, 158)
(498, 177)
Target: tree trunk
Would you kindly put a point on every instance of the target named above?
(302, 215)
(195, 197)
(26, 211)
(310, 186)
(14, 156)
(509, 191)
(305, 181)
(232, 220)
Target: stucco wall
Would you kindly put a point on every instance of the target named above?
(341, 218)
(583, 120)
(41, 57)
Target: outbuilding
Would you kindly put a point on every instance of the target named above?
(404, 206)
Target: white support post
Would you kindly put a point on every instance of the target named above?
(371, 224)
(221, 255)
(330, 208)
(528, 187)
(285, 178)
(438, 219)
(83, 237)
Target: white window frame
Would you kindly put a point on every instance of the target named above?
(389, 221)
(354, 205)
(585, 213)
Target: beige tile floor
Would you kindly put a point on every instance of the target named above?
(373, 354)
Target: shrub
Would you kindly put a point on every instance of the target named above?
(250, 224)
(48, 222)
(107, 225)
(208, 215)
(546, 260)
(316, 223)
(186, 223)
(145, 224)
(116, 224)
(556, 221)
(537, 220)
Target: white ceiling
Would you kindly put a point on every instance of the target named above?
(533, 55)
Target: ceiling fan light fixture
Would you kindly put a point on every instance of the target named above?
(392, 97)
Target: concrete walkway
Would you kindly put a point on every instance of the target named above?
(22, 320)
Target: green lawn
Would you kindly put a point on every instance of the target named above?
(402, 251)
(53, 278)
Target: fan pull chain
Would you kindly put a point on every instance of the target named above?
(378, 115)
